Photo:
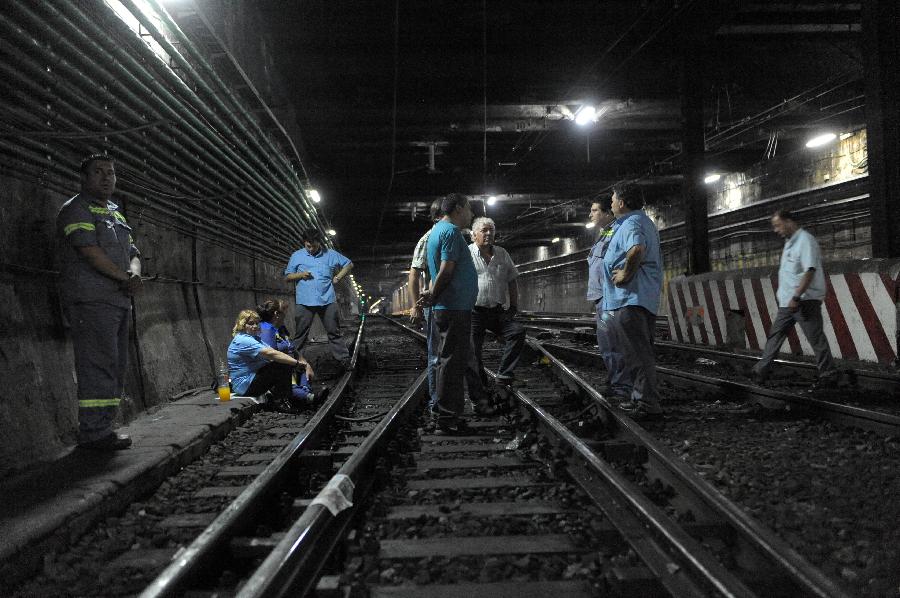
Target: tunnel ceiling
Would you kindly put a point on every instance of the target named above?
(500, 122)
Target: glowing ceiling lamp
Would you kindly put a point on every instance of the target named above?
(331, 232)
(712, 178)
(314, 195)
(589, 225)
(555, 240)
(820, 140)
(492, 200)
(585, 115)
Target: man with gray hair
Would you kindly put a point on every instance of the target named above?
(498, 299)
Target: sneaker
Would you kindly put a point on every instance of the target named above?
(827, 380)
(452, 426)
(110, 442)
(485, 409)
(638, 410)
(757, 377)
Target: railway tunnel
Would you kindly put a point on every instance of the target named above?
(237, 130)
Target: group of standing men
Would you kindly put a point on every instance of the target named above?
(472, 289)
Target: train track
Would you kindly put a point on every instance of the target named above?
(274, 487)
(788, 372)
(885, 419)
(524, 507)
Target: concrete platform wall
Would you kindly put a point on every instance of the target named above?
(181, 326)
(736, 308)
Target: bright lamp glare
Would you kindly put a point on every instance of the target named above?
(589, 225)
(331, 232)
(555, 240)
(820, 140)
(314, 195)
(712, 178)
(587, 114)
(492, 200)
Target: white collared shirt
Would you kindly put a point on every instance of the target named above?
(801, 252)
(493, 277)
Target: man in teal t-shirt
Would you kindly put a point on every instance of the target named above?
(452, 297)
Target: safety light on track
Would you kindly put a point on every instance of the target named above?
(820, 140)
(589, 225)
(712, 178)
(314, 195)
(492, 200)
(331, 232)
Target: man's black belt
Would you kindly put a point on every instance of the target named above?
(496, 308)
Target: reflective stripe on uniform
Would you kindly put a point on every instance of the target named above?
(98, 403)
(71, 228)
(106, 212)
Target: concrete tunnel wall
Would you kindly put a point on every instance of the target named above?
(180, 330)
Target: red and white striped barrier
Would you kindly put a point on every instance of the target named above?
(860, 314)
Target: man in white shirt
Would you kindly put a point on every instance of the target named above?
(801, 289)
(498, 298)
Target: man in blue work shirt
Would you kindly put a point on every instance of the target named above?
(801, 289)
(452, 296)
(603, 219)
(632, 286)
(100, 270)
(316, 269)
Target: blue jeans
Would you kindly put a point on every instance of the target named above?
(620, 382)
(431, 341)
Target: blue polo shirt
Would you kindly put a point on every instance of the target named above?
(595, 263)
(319, 289)
(271, 336)
(446, 244)
(644, 288)
(801, 252)
(244, 361)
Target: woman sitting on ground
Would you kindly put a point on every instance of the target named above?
(256, 368)
(273, 334)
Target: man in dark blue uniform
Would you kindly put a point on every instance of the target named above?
(100, 270)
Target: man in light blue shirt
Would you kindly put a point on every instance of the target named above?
(451, 297)
(316, 269)
(801, 289)
(603, 219)
(632, 285)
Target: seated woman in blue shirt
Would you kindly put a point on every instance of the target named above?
(256, 368)
(273, 334)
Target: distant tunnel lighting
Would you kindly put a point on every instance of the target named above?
(820, 140)
(492, 200)
(331, 232)
(712, 178)
(585, 115)
(555, 240)
(314, 195)
(589, 225)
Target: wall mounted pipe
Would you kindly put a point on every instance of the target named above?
(57, 60)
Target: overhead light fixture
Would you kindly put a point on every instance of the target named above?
(314, 195)
(331, 232)
(585, 115)
(712, 178)
(589, 225)
(555, 240)
(492, 200)
(820, 140)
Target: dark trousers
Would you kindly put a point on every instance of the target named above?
(510, 332)
(330, 319)
(809, 316)
(453, 335)
(272, 376)
(631, 332)
(100, 343)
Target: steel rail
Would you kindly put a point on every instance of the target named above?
(868, 378)
(867, 419)
(205, 551)
(808, 579)
(293, 566)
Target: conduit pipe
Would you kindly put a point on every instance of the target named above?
(150, 26)
(145, 79)
(88, 82)
(200, 59)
